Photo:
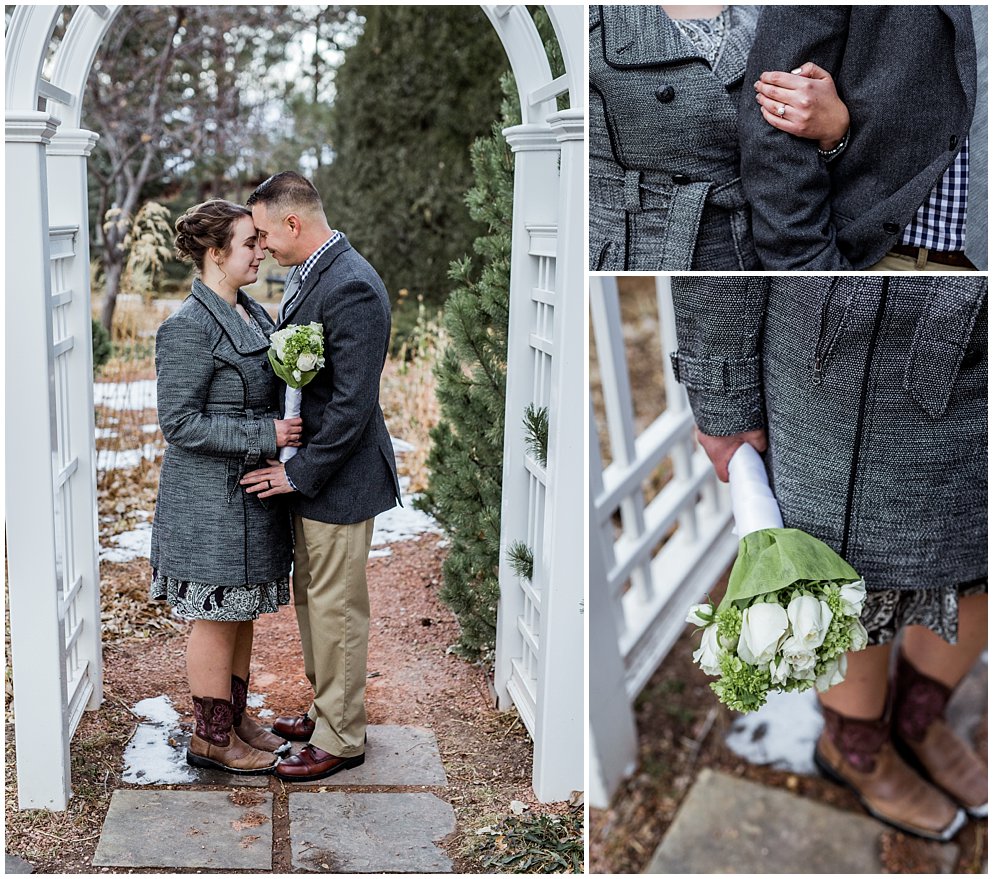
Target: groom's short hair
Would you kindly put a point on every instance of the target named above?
(287, 192)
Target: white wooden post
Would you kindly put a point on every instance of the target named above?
(68, 198)
(37, 650)
(536, 155)
(559, 742)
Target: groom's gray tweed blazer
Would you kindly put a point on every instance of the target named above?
(908, 76)
(345, 472)
(873, 393)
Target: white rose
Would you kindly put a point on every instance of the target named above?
(810, 619)
(297, 374)
(858, 634)
(708, 657)
(701, 615)
(762, 625)
(306, 362)
(801, 658)
(852, 598)
(833, 674)
(779, 671)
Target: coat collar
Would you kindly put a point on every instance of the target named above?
(243, 338)
(314, 275)
(644, 36)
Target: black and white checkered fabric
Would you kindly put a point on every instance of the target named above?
(311, 260)
(939, 223)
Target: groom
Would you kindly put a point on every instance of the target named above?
(344, 475)
(907, 186)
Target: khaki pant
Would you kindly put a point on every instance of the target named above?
(332, 605)
(897, 262)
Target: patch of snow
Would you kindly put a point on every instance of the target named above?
(401, 523)
(149, 428)
(105, 433)
(124, 459)
(149, 758)
(401, 446)
(136, 544)
(135, 395)
(781, 734)
(255, 700)
(265, 712)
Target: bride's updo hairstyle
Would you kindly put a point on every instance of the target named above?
(207, 225)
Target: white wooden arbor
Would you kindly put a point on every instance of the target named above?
(52, 550)
(642, 584)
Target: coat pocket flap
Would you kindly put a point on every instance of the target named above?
(940, 342)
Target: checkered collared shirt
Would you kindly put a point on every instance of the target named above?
(309, 262)
(939, 223)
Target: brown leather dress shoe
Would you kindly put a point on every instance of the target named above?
(886, 786)
(313, 764)
(927, 741)
(296, 729)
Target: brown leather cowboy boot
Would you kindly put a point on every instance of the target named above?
(248, 730)
(926, 739)
(215, 744)
(860, 755)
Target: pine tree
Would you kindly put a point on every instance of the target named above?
(466, 459)
(418, 87)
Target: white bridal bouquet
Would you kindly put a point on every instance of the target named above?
(792, 606)
(296, 354)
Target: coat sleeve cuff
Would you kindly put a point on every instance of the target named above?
(725, 394)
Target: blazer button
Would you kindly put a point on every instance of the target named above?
(953, 142)
(891, 228)
(665, 94)
(680, 179)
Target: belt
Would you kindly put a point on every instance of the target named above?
(956, 258)
(682, 199)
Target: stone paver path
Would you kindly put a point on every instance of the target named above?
(730, 825)
(177, 828)
(344, 831)
(369, 833)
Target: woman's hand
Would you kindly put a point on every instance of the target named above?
(809, 102)
(720, 448)
(289, 432)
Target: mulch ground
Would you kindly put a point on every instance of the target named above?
(682, 728)
(415, 679)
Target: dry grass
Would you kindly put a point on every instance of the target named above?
(407, 395)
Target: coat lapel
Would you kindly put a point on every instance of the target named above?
(731, 63)
(313, 276)
(243, 338)
(965, 50)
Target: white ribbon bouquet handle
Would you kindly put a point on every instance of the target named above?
(752, 502)
(293, 399)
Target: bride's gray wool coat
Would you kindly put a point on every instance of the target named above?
(874, 394)
(665, 191)
(217, 400)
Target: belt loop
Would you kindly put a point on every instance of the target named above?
(632, 191)
(921, 258)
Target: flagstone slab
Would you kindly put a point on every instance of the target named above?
(341, 832)
(396, 756)
(187, 829)
(730, 825)
(14, 864)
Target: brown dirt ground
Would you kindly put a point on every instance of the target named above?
(414, 680)
(681, 730)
